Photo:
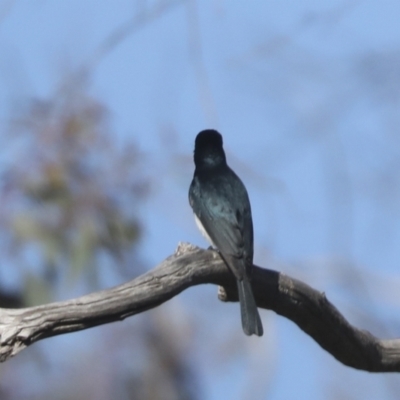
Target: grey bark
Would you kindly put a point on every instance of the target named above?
(190, 266)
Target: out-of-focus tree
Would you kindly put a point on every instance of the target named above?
(70, 193)
(71, 197)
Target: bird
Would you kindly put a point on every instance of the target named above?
(222, 211)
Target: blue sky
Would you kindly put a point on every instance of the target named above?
(306, 95)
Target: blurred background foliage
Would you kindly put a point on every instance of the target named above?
(70, 202)
(69, 196)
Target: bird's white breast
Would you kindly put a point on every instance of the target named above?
(202, 230)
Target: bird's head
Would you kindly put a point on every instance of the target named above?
(208, 150)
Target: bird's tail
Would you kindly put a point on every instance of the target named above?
(251, 321)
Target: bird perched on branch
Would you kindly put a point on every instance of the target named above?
(222, 211)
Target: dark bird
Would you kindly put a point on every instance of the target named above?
(223, 214)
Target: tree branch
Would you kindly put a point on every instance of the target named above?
(190, 266)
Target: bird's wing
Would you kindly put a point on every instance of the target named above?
(225, 228)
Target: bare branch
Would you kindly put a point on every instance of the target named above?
(119, 34)
(190, 266)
